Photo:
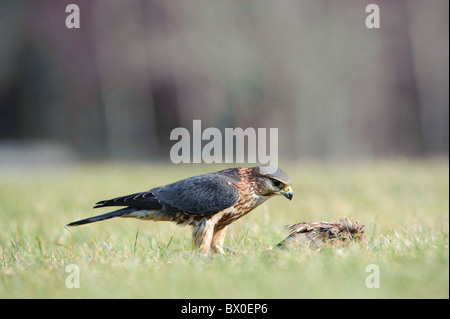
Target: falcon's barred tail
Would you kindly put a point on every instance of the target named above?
(117, 213)
(179, 218)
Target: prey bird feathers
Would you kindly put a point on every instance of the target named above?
(337, 233)
(208, 202)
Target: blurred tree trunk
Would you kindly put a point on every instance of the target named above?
(124, 80)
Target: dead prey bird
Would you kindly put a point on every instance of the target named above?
(317, 234)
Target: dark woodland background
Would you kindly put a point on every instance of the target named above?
(135, 70)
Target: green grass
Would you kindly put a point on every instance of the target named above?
(405, 204)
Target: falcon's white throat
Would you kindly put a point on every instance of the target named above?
(236, 143)
(259, 199)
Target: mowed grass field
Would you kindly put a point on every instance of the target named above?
(404, 203)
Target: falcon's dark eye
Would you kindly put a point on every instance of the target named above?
(278, 184)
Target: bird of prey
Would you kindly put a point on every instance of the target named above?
(317, 234)
(208, 202)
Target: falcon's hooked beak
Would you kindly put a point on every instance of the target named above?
(287, 192)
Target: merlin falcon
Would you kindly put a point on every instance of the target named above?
(208, 202)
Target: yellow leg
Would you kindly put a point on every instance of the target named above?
(218, 239)
(202, 235)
